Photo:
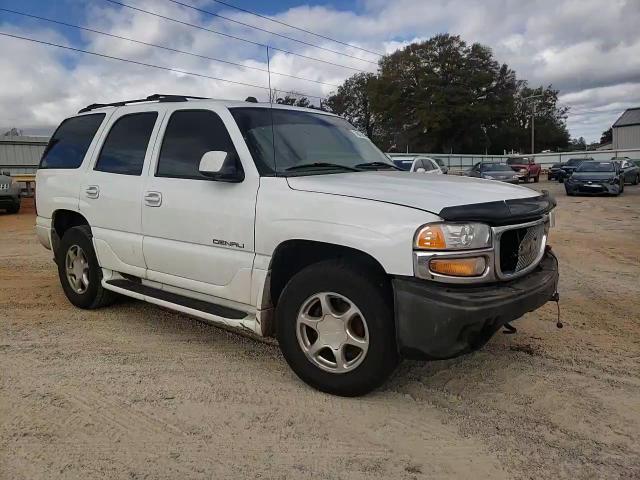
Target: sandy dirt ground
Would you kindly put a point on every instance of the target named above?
(133, 391)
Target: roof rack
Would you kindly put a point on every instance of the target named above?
(157, 97)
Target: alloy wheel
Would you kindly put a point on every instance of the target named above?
(332, 332)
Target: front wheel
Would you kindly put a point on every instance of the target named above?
(335, 328)
(14, 208)
(79, 272)
(636, 180)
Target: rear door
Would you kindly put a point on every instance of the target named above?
(198, 232)
(110, 197)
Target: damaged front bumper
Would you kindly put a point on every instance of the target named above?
(438, 321)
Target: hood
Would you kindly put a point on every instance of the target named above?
(431, 193)
(598, 176)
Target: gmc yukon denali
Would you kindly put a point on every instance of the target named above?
(288, 222)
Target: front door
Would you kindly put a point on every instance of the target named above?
(198, 233)
(110, 196)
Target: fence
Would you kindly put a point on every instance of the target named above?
(458, 163)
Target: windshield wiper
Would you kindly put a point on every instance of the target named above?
(315, 165)
(376, 165)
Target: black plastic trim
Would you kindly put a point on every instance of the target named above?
(437, 321)
(200, 305)
(504, 212)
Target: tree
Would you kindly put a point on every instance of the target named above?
(353, 101)
(607, 136)
(443, 95)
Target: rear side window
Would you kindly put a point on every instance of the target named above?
(189, 135)
(126, 145)
(70, 142)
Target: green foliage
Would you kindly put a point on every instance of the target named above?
(443, 95)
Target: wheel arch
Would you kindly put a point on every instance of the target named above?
(61, 221)
(291, 256)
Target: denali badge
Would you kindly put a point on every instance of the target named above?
(224, 243)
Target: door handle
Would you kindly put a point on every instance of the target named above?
(153, 199)
(92, 191)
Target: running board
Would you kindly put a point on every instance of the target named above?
(210, 312)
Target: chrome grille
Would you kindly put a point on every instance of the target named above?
(520, 247)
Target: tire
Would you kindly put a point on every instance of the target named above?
(339, 285)
(90, 293)
(636, 180)
(536, 179)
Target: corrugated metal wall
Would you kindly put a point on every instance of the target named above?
(21, 154)
(626, 137)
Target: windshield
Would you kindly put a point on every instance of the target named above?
(487, 167)
(517, 161)
(403, 164)
(575, 161)
(596, 167)
(321, 143)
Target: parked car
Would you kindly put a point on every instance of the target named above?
(525, 167)
(596, 178)
(630, 170)
(10, 193)
(286, 222)
(493, 171)
(443, 167)
(554, 171)
(417, 164)
(570, 166)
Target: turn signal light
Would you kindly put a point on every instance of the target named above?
(432, 237)
(459, 267)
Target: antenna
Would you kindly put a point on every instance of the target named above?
(269, 73)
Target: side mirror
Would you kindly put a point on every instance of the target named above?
(221, 166)
(420, 170)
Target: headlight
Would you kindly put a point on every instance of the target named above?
(453, 236)
(523, 170)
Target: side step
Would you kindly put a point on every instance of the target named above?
(180, 300)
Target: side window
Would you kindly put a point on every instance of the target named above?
(70, 142)
(428, 165)
(189, 135)
(126, 145)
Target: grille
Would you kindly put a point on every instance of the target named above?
(519, 248)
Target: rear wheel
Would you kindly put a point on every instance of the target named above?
(79, 272)
(336, 330)
(536, 179)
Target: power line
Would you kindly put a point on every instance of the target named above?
(296, 28)
(199, 27)
(150, 65)
(164, 47)
(207, 12)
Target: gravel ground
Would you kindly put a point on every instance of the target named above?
(134, 391)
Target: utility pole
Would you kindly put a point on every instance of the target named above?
(533, 116)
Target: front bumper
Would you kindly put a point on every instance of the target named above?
(7, 201)
(438, 321)
(594, 188)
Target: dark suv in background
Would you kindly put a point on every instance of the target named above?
(569, 167)
(9, 193)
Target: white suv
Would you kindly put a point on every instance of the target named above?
(288, 222)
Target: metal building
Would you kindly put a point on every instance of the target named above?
(626, 130)
(20, 154)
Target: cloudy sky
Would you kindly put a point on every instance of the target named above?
(588, 49)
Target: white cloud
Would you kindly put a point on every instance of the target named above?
(587, 49)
